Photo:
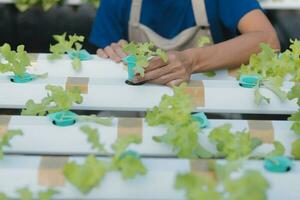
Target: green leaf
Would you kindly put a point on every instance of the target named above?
(78, 46)
(233, 146)
(209, 74)
(255, 142)
(184, 141)
(201, 152)
(296, 127)
(95, 119)
(57, 100)
(123, 142)
(294, 93)
(248, 185)
(296, 77)
(296, 149)
(76, 63)
(274, 68)
(32, 108)
(294, 57)
(63, 99)
(86, 176)
(143, 52)
(47, 195)
(72, 44)
(203, 41)
(25, 194)
(127, 162)
(274, 85)
(252, 185)
(139, 70)
(296, 119)
(23, 5)
(48, 4)
(64, 45)
(131, 48)
(14, 61)
(129, 166)
(172, 110)
(75, 38)
(6, 138)
(224, 171)
(278, 151)
(182, 131)
(3, 196)
(267, 64)
(93, 138)
(145, 48)
(197, 187)
(259, 98)
(95, 3)
(162, 54)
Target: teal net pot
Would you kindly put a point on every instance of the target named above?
(82, 54)
(64, 118)
(131, 62)
(249, 81)
(279, 164)
(201, 119)
(24, 79)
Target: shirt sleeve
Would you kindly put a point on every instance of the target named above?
(108, 27)
(232, 11)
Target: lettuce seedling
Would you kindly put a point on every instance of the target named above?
(86, 176)
(72, 46)
(57, 100)
(93, 138)
(182, 131)
(143, 52)
(14, 61)
(295, 94)
(249, 185)
(5, 139)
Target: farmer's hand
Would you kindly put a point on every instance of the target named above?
(113, 51)
(178, 69)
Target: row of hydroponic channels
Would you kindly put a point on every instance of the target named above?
(186, 135)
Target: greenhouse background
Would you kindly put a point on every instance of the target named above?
(35, 26)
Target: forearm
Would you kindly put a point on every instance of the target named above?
(231, 53)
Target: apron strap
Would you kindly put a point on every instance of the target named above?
(200, 13)
(135, 13)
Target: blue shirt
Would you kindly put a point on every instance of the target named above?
(168, 18)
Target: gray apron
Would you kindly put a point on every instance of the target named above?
(184, 40)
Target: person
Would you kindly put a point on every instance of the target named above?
(237, 27)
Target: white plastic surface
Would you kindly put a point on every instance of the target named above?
(95, 68)
(158, 184)
(113, 94)
(280, 4)
(99, 68)
(42, 137)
